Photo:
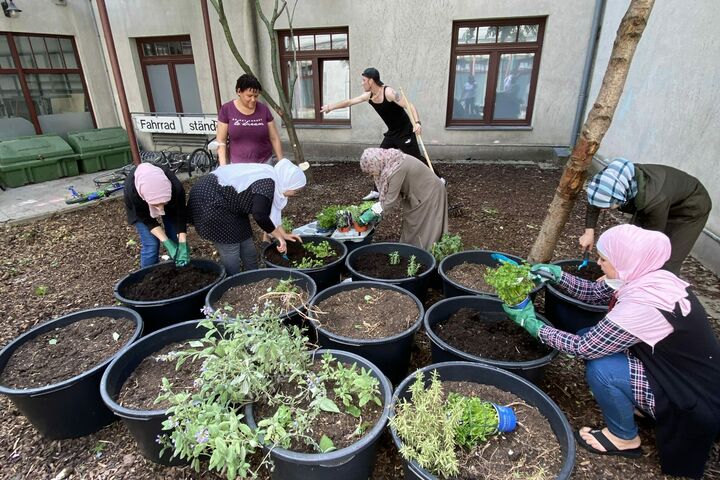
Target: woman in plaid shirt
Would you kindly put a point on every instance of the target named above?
(654, 351)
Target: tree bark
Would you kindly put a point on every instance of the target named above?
(594, 129)
(283, 106)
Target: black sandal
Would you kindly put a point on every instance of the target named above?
(610, 448)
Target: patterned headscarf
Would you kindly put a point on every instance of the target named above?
(153, 186)
(638, 256)
(381, 163)
(615, 184)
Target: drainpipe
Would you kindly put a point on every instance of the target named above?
(119, 85)
(588, 69)
(211, 53)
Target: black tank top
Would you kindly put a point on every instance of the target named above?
(393, 115)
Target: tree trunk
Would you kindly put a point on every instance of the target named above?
(596, 125)
(283, 107)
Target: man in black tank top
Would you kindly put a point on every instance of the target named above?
(390, 105)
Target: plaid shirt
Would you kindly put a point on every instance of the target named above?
(602, 340)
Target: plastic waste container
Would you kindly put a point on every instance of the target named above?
(35, 159)
(101, 149)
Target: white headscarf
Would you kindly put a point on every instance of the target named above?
(285, 174)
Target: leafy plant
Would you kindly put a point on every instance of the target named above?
(394, 258)
(308, 262)
(41, 290)
(413, 266)
(428, 427)
(287, 225)
(511, 282)
(327, 218)
(343, 219)
(479, 420)
(357, 210)
(447, 245)
(319, 250)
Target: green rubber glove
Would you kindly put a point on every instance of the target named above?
(525, 317)
(183, 254)
(368, 216)
(548, 269)
(171, 248)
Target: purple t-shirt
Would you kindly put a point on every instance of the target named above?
(248, 136)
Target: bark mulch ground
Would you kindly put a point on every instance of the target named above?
(79, 256)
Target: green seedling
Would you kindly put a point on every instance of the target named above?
(41, 290)
(394, 258)
(447, 245)
(413, 266)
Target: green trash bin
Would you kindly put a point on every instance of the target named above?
(101, 149)
(35, 159)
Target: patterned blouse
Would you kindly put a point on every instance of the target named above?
(605, 338)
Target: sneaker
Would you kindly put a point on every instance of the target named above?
(443, 180)
(372, 195)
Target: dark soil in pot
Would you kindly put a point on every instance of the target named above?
(590, 272)
(296, 253)
(531, 451)
(65, 352)
(470, 275)
(367, 313)
(342, 428)
(498, 339)
(144, 385)
(377, 265)
(168, 281)
(244, 298)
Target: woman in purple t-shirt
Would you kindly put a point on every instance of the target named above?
(246, 127)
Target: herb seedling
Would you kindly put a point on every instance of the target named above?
(512, 283)
(394, 258)
(413, 266)
(447, 245)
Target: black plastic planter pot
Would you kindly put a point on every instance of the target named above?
(354, 245)
(158, 314)
(71, 408)
(443, 352)
(354, 462)
(301, 280)
(145, 425)
(324, 276)
(483, 257)
(415, 285)
(390, 354)
(488, 375)
(567, 313)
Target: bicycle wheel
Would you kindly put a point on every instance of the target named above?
(110, 178)
(201, 159)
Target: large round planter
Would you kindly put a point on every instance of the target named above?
(145, 425)
(354, 462)
(488, 375)
(444, 352)
(415, 285)
(295, 316)
(482, 257)
(159, 314)
(390, 354)
(71, 408)
(355, 244)
(567, 313)
(324, 276)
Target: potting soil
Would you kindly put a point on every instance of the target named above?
(377, 265)
(245, 298)
(65, 352)
(144, 385)
(591, 272)
(296, 254)
(367, 313)
(471, 275)
(490, 335)
(168, 281)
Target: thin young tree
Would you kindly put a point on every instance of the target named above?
(283, 104)
(596, 125)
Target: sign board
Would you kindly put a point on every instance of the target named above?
(175, 124)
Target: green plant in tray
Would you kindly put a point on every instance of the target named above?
(512, 283)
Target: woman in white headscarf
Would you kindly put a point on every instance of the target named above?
(220, 205)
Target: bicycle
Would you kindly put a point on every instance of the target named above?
(203, 158)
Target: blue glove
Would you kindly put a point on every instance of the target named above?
(525, 317)
(552, 273)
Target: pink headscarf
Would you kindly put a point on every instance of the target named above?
(153, 186)
(381, 163)
(637, 255)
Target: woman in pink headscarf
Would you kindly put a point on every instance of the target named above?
(401, 179)
(151, 194)
(653, 354)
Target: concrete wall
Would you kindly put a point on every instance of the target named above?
(670, 109)
(409, 42)
(75, 19)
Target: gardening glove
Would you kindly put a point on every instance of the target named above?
(547, 270)
(171, 248)
(525, 317)
(368, 216)
(183, 254)
(377, 208)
